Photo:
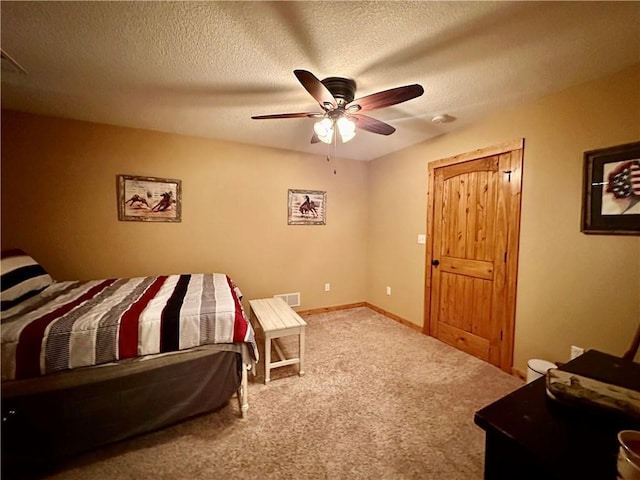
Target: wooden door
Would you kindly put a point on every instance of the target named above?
(472, 251)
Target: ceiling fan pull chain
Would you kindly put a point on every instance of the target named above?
(335, 145)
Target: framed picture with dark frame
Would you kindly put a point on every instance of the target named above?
(611, 190)
(307, 207)
(149, 199)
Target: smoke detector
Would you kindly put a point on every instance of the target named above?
(444, 118)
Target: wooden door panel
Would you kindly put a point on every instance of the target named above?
(459, 212)
(448, 295)
(482, 297)
(471, 215)
(488, 164)
(483, 242)
(449, 224)
(466, 303)
(463, 266)
(465, 341)
(472, 210)
(467, 229)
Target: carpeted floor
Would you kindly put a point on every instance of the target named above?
(378, 401)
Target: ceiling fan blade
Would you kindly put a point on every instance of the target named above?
(288, 115)
(316, 88)
(314, 138)
(387, 98)
(370, 124)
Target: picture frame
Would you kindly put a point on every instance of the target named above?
(307, 207)
(611, 190)
(149, 199)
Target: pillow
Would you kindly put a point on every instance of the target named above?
(22, 277)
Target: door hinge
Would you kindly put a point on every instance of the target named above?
(508, 173)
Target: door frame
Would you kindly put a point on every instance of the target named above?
(512, 190)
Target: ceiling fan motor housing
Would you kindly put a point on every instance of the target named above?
(342, 89)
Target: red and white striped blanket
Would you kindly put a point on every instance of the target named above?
(78, 324)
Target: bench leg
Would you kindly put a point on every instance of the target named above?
(301, 351)
(267, 358)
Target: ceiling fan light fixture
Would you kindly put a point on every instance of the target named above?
(324, 130)
(347, 129)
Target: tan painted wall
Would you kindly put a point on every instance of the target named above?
(572, 288)
(59, 203)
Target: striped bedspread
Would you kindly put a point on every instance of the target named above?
(84, 323)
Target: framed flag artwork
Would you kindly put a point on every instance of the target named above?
(611, 190)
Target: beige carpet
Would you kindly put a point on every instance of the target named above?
(378, 401)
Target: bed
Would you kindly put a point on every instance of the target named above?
(85, 363)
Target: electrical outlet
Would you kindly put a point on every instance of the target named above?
(388, 290)
(327, 287)
(576, 351)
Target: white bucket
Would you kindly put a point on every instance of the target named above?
(537, 368)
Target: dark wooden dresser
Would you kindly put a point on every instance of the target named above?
(529, 436)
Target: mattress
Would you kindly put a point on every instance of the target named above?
(78, 324)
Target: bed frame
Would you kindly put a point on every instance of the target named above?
(52, 417)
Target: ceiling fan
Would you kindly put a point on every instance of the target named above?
(340, 111)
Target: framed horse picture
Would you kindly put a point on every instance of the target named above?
(307, 207)
(149, 199)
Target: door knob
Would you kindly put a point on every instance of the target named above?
(435, 262)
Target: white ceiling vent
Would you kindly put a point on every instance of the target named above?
(292, 299)
(9, 65)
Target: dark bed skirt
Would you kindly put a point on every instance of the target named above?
(39, 427)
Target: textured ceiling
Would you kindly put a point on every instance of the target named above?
(204, 68)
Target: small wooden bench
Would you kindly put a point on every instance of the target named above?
(275, 319)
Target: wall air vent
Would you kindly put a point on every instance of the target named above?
(9, 65)
(292, 299)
